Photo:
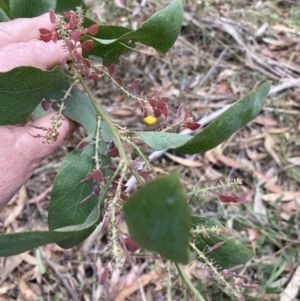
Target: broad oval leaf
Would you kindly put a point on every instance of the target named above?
(30, 8)
(157, 216)
(230, 254)
(66, 5)
(160, 31)
(68, 191)
(23, 88)
(65, 208)
(162, 140)
(229, 122)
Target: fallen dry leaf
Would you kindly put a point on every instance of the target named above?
(268, 182)
(41, 196)
(229, 161)
(291, 291)
(16, 210)
(144, 279)
(184, 161)
(284, 196)
(269, 146)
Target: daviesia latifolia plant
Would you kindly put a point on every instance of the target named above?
(90, 186)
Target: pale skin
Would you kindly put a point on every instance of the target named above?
(20, 151)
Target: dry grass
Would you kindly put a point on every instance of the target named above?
(226, 49)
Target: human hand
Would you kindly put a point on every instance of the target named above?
(21, 152)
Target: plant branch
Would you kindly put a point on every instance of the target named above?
(113, 129)
(188, 283)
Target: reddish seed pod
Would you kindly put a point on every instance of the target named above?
(145, 174)
(96, 175)
(192, 125)
(131, 245)
(70, 45)
(73, 21)
(113, 153)
(76, 35)
(45, 35)
(118, 80)
(52, 16)
(93, 29)
(134, 85)
(55, 37)
(165, 111)
(231, 198)
(46, 105)
(87, 45)
(77, 55)
(86, 62)
(156, 112)
(153, 102)
(110, 69)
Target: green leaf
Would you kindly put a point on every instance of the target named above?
(30, 8)
(157, 216)
(109, 53)
(23, 88)
(16, 243)
(160, 31)
(3, 16)
(229, 122)
(162, 140)
(65, 207)
(66, 5)
(230, 254)
(4, 5)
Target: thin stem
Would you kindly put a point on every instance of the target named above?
(169, 292)
(113, 130)
(113, 208)
(221, 280)
(188, 283)
(139, 99)
(139, 151)
(236, 182)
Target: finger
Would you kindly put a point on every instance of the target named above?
(36, 149)
(24, 29)
(33, 53)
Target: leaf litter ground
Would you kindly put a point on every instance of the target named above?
(224, 51)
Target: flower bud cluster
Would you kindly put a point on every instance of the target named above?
(70, 32)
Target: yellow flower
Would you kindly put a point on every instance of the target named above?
(149, 120)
